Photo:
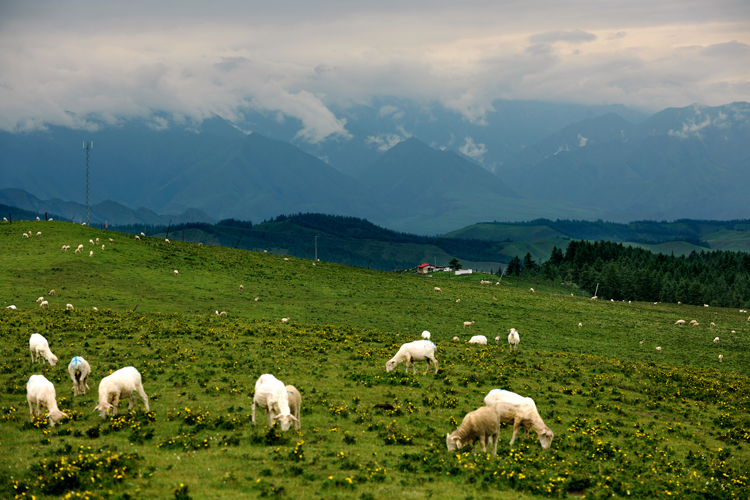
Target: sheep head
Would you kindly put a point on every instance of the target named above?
(545, 437)
(52, 360)
(103, 408)
(390, 366)
(285, 421)
(453, 443)
(55, 416)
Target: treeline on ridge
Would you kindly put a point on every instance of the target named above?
(718, 278)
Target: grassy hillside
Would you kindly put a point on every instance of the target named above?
(676, 247)
(627, 421)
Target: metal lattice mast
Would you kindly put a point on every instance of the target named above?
(87, 146)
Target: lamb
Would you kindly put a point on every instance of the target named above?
(679, 322)
(513, 340)
(44, 304)
(468, 323)
(512, 408)
(79, 370)
(692, 321)
(121, 384)
(69, 307)
(419, 350)
(478, 339)
(38, 345)
(51, 292)
(39, 300)
(658, 349)
(480, 425)
(41, 392)
(295, 404)
(284, 320)
(437, 289)
(426, 335)
(716, 340)
(271, 394)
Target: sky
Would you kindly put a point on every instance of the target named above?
(82, 63)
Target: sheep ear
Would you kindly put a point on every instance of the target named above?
(458, 444)
(294, 418)
(64, 414)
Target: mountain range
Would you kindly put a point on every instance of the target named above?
(680, 162)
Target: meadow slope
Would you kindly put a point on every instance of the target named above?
(627, 421)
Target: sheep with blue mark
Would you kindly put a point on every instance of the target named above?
(79, 370)
(419, 350)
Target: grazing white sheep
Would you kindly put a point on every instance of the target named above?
(512, 408)
(580, 325)
(51, 219)
(485, 282)
(69, 307)
(295, 404)
(12, 307)
(200, 244)
(695, 324)
(733, 331)
(705, 305)
(79, 370)
(43, 304)
(642, 341)
(166, 240)
(39, 300)
(271, 394)
(137, 237)
(426, 335)
(459, 300)
(121, 384)
(716, 340)
(480, 425)
(721, 358)
(143, 234)
(712, 324)
(478, 339)
(91, 253)
(286, 259)
(91, 242)
(176, 273)
(456, 339)
(37, 218)
(679, 322)
(531, 290)
(437, 289)
(256, 299)
(41, 392)
(95, 309)
(78, 250)
(223, 313)
(497, 340)
(241, 288)
(5, 219)
(25, 235)
(39, 233)
(62, 249)
(284, 320)
(594, 297)
(419, 350)
(111, 240)
(468, 323)
(102, 247)
(39, 346)
(658, 349)
(513, 340)
(51, 292)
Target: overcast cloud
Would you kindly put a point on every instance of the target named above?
(68, 63)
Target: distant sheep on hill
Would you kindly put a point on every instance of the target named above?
(679, 322)
(438, 290)
(468, 323)
(513, 340)
(658, 349)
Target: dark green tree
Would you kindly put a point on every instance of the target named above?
(454, 264)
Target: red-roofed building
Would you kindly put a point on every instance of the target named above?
(425, 268)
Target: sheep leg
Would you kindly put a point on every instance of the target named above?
(115, 402)
(435, 362)
(483, 442)
(31, 411)
(131, 401)
(494, 438)
(271, 416)
(143, 396)
(516, 424)
(253, 412)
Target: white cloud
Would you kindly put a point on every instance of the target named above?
(473, 151)
(142, 60)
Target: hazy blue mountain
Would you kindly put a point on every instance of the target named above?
(108, 210)
(376, 126)
(688, 162)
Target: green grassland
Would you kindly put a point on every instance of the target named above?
(735, 241)
(503, 232)
(677, 248)
(627, 421)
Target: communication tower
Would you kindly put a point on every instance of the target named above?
(88, 146)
